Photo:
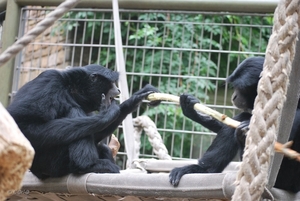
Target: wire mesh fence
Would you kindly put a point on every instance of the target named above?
(178, 52)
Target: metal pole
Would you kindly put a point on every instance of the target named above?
(9, 36)
(254, 6)
(128, 122)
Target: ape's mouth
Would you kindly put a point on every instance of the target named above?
(109, 100)
(110, 95)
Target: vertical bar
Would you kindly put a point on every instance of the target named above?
(228, 66)
(92, 39)
(191, 146)
(66, 49)
(201, 146)
(250, 33)
(127, 123)
(74, 47)
(81, 61)
(109, 42)
(217, 91)
(10, 33)
(18, 58)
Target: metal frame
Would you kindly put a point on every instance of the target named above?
(13, 8)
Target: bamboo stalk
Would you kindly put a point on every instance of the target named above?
(280, 148)
(198, 107)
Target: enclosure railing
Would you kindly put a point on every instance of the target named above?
(13, 8)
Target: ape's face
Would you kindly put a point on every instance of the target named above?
(111, 94)
(244, 99)
(244, 80)
(238, 100)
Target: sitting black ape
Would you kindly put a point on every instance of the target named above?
(54, 113)
(229, 140)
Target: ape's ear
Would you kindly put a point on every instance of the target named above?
(94, 77)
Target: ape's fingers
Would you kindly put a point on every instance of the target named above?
(154, 103)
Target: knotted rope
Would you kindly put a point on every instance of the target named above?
(49, 20)
(145, 123)
(253, 174)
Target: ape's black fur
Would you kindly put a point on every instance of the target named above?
(54, 113)
(229, 140)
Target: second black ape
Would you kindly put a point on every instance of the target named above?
(54, 112)
(229, 140)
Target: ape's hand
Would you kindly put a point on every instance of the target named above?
(134, 101)
(187, 103)
(144, 92)
(111, 111)
(176, 174)
(241, 131)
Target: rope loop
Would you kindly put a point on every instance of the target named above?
(145, 123)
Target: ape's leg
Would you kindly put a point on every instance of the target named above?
(84, 158)
(105, 152)
(51, 163)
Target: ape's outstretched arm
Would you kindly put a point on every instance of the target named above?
(129, 106)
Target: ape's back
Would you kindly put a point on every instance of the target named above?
(40, 99)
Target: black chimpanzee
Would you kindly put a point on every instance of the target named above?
(54, 112)
(229, 140)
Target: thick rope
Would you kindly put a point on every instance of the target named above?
(145, 123)
(16, 155)
(253, 174)
(37, 30)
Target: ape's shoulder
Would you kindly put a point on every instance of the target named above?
(49, 76)
(41, 83)
(38, 95)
